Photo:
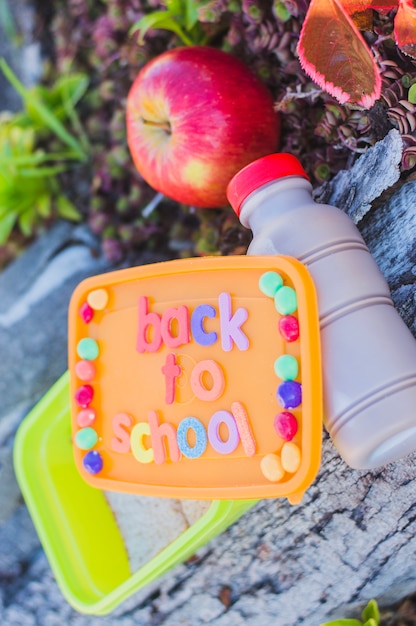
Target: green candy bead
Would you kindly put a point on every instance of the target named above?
(286, 301)
(87, 349)
(286, 367)
(86, 438)
(270, 283)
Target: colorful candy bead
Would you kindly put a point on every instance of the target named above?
(86, 438)
(86, 313)
(289, 328)
(98, 299)
(290, 457)
(272, 468)
(286, 367)
(269, 283)
(85, 370)
(286, 425)
(86, 417)
(285, 300)
(289, 394)
(88, 349)
(84, 395)
(93, 462)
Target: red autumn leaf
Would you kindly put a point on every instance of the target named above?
(361, 11)
(334, 54)
(405, 27)
(354, 6)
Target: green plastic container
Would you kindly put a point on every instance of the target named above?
(89, 559)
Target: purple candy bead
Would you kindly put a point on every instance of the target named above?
(93, 462)
(289, 394)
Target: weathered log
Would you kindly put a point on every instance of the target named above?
(352, 538)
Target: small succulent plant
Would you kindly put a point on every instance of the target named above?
(35, 149)
(370, 617)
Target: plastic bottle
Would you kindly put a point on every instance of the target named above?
(368, 353)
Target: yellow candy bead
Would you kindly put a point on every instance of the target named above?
(98, 299)
(291, 457)
(272, 468)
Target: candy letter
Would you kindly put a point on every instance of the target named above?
(140, 452)
(221, 446)
(195, 451)
(244, 428)
(197, 325)
(158, 432)
(182, 335)
(149, 324)
(230, 324)
(121, 440)
(171, 370)
(218, 381)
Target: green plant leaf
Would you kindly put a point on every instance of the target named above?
(27, 221)
(343, 622)
(5, 182)
(185, 14)
(72, 88)
(47, 116)
(18, 161)
(159, 19)
(7, 223)
(36, 158)
(42, 172)
(175, 7)
(44, 205)
(411, 96)
(371, 612)
(191, 14)
(67, 210)
(371, 622)
(19, 203)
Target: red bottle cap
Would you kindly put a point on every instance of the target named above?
(260, 172)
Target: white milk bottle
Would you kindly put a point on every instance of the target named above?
(368, 353)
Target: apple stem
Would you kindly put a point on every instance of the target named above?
(150, 206)
(162, 125)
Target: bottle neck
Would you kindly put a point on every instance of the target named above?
(275, 198)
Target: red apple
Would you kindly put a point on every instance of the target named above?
(195, 116)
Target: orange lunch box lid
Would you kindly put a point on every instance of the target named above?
(198, 378)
